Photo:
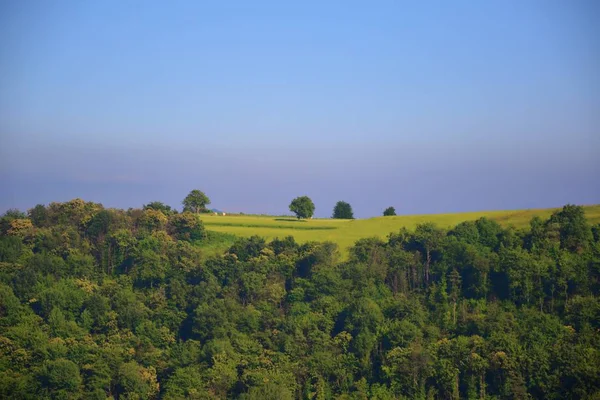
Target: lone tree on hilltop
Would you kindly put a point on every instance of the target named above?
(342, 210)
(195, 202)
(303, 207)
(389, 212)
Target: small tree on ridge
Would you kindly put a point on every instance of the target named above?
(195, 202)
(342, 210)
(303, 207)
(389, 212)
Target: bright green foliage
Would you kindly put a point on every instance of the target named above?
(388, 212)
(152, 220)
(303, 207)
(186, 383)
(98, 304)
(342, 210)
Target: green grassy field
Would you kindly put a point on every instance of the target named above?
(346, 232)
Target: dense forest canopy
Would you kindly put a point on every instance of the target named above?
(98, 303)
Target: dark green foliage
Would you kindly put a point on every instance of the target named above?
(244, 249)
(13, 213)
(489, 232)
(596, 233)
(99, 224)
(186, 226)
(268, 391)
(159, 206)
(39, 215)
(11, 248)
(60, 378)
(466, 232)
(9, 306)
(287, 245)
(303, 207)
(388, 212)
(195, 202)
(98, 304)
(135, 381)
(574, 230)
(342, 210)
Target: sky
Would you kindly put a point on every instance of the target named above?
(430, 107)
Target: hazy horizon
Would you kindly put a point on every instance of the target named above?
(429, 108)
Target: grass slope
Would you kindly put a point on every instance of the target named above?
(346, 232)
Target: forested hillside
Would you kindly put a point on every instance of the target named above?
(98, 303)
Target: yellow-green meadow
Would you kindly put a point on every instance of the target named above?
(346, 232)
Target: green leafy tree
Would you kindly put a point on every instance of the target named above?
(186, 226)
(159, 206)
(574, 229)
(76, 212)
(137, 382)
(60, 378)
(268, 391)
(303, 207)
(222, 374)
(9, 305)
(342, 210)
(99, 225)
(186, 383)
(246, 248)
(388, 212)
(38, 215)
(152, 220)
(195, 202)
(362, 319)
(408, 368)
(151, 262)
(466, 232)
(428, 240)
(489, 232)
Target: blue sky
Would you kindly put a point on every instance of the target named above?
(426, 106)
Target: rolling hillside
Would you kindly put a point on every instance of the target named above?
(346, 232)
